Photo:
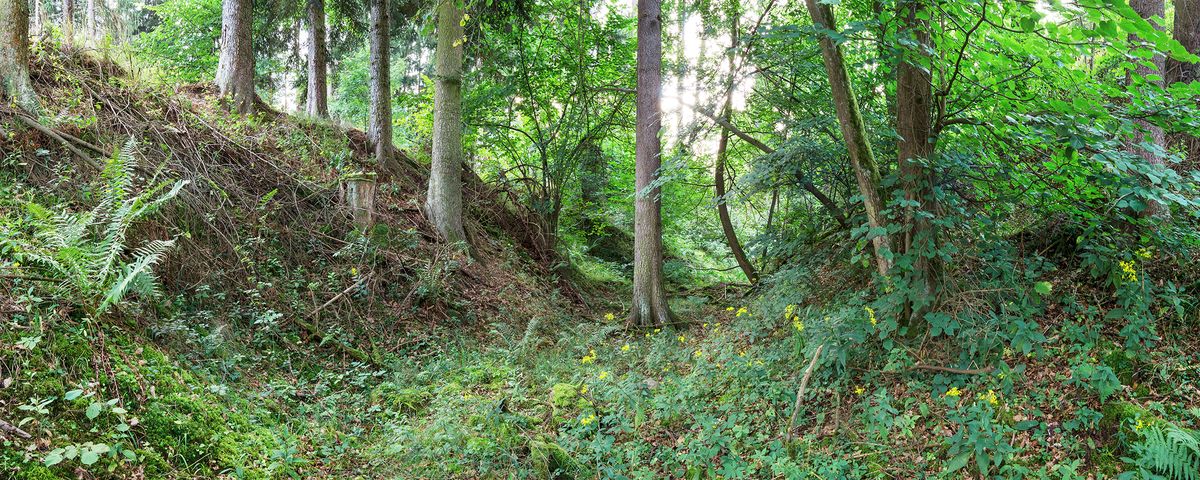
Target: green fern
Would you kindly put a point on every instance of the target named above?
(88, 250)
(1169, 451)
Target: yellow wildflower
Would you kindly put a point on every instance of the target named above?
(859, 390)
(1140, 425)
(742, 353)
(589, 358)
(1145, 253)
(585, 421)
(953, 392)
(741, 311)
(728, 309)
(610, 317)
(797, 324)
(625, 348)
(1127, 271)
(647, 335)
(583, 390)
(698, 353)
(871, 315)
(657, 330)
(604, 374)
(990, 397)
(681, 339)
(353, 271)
(705, 325)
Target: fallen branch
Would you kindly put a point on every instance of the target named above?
(10, 428)
(787, 435)
(973, 371)
(47, 131)
(312, 329)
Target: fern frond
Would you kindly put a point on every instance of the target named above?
(1170, 451)
(147, 256)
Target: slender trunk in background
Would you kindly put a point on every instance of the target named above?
(886, 60)
(67, 10)
(15, 85)
(444, 203)
(379, 121)
(592, 185)
(317, 103)
(235, 67)
(735, 247)
(1147, 132)
(1187, 33)
(854, 132)
(914, 105)
(650, 306)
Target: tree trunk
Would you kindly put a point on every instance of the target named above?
(235, 67)
(15, 85)
(317, 103)
(379, 121)
(735, 247)
(1187, 33)
(67, 10)
(854, 133)
(91, 19)
(650, 306)
(914, 103)
(1146, 131)
(444, 204)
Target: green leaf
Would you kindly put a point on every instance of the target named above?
(1043, 288)
(53, 458)
(93, 410)
(958, 462)
(88, 457)
(73, 394)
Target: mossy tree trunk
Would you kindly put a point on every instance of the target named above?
(379, 121)
(235, 67)
(650, 306)
(444, 199)
(15, 85)
(854, 133)
(317, 102)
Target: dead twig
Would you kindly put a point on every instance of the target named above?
(812, 365)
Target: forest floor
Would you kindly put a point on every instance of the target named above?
(288, 344)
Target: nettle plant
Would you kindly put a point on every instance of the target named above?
(87, 252)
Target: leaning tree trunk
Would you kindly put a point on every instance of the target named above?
(914, 102)
(1147, 132)
(735, 247)
(444, 203)
(379, 121)
(650, 306)
(235, 68)
(854, 132)
(317, 103)
(1187, 33)
(15, 85)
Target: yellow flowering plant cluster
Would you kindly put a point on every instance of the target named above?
(871, 315)
(589, 358)
(791, 313)
(1128, 272)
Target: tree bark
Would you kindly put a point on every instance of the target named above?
(1187, 33)
(735, 247)
(317, 103)
(1146, 131)
(650, 306)
(235, 67)
(379, 121)
(914, 106)
(15, 85)
(444, 204)
(854, 132)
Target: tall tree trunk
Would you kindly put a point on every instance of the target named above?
(317, 103)
(67, 10)
(1187, 33)
(735, 247)
(91, 19)
(444, 204)
(1146, 131)
(379, 121)
(650, 306)
(15, 85)
(235, 67)
(914, 103)
(854, 133)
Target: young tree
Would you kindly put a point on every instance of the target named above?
(15, 85)
(650, 306)
(379, 121)
(1187, 33)
(914, 104)
(317, 104)
(854, 132)
(1147, 132)
(735, 247)
(91, 18)
(235, 67)
(444, 200)
(67, 10)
